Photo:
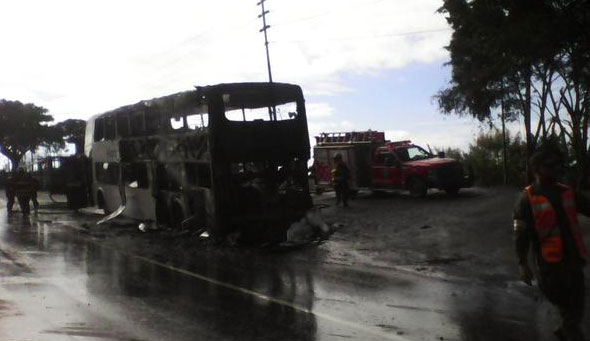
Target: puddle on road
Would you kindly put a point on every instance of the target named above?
(7, 309)
(407, 307)
(33, 252)
(78, 329)
(444, 261)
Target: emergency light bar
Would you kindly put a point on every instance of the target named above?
(400, 143)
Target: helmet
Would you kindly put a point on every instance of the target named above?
(337, 156)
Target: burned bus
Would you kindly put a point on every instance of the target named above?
(224, 157)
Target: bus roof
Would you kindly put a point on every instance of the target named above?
(248, 95)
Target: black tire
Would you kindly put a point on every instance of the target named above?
(176, 217)
(162, 214)
(417, 188)
(101, 203)
(452, 191)
(377, 192)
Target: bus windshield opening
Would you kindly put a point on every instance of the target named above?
(285, 111)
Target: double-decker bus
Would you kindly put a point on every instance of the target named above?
(221, 157)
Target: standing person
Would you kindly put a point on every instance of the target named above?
(545, 217)
(340, 179)
(10, 193)
(34, 189)
(23, 186)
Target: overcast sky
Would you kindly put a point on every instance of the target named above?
(362, 63)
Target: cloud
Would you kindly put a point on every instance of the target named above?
(84, 58)
(318, 110)
(316, 127)
(396, 135)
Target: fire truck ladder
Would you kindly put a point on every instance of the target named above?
(350, 137)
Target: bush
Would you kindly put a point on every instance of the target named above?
(485, 159)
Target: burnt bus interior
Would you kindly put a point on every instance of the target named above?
(226, 157)
(261, 158)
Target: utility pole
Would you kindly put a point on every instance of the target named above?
(271, 110)
(263, 29)
(504, 152)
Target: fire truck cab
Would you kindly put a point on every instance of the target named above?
(378, 164)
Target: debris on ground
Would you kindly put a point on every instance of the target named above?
(310, 227)
(148, 226)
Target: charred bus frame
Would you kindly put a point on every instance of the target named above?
(223, 157)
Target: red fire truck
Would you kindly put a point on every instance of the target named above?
(378, 164)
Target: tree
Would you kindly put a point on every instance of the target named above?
(529, 57)
(22, 129)
(73, 131)
(53, 140)
(485, 158)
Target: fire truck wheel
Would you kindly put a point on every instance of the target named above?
(417, 188)
(452, 191)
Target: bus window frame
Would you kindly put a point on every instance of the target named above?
(110, 132)
(99, 129)
(136, 117)
(122, 120)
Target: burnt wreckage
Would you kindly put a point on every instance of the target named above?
(227, 157)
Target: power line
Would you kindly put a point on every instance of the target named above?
(205, 33)
(181, 57)
(364, 37)
(327, 13)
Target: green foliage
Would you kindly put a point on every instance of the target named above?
(528, 58)
(485, 157)
(73, 131)
(22, 128)
(453, 153)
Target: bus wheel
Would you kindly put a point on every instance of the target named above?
(176, 217)
(162, 214)
(101, 203)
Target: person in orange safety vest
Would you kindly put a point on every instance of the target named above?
(546, 218)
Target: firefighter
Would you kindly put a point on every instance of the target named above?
(340, 179)
(545, 217)
(10, 193)
(24, 187)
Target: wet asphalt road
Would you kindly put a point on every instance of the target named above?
(62, 278)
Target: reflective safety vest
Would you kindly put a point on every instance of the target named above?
(546, 224)
(340, 174)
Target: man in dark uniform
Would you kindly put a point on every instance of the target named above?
(23, 186)
(10, 193)
(545, 217)
(34, 188)
(340, 179)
